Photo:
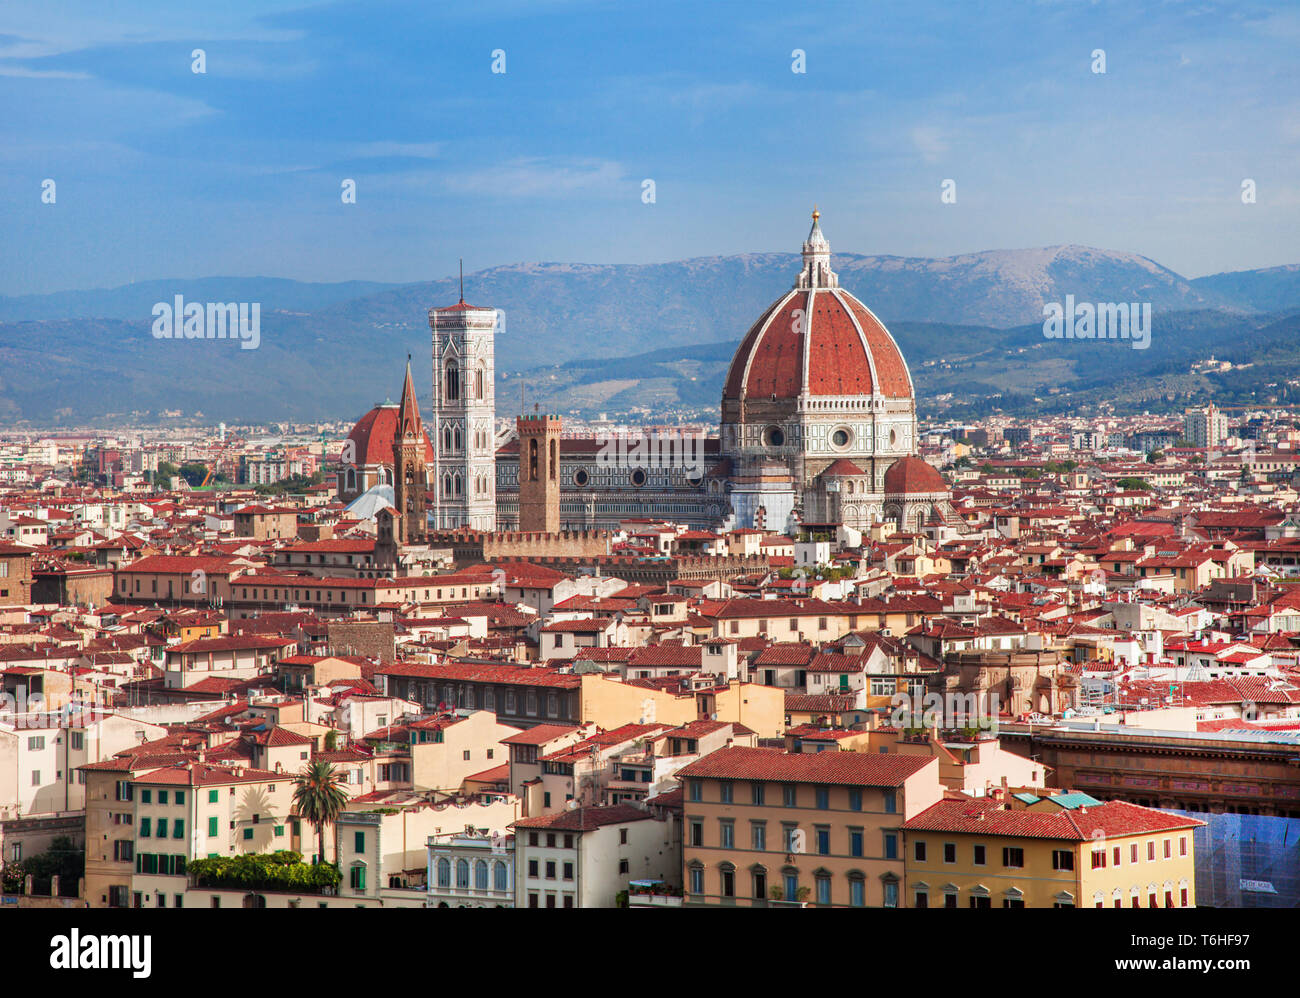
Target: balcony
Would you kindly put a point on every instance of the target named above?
(653, 901)
(653, 894)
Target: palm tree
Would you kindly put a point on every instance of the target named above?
(318, 796)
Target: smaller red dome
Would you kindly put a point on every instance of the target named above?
(912, 476)
(373, 436)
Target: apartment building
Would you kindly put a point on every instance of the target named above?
(385, 852)
(234, 656)
(583, 858)
(764, 827)
(15, 574)
(40, 756)
(1060, 851)
(145, 822)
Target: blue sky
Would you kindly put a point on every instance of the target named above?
(162, 172)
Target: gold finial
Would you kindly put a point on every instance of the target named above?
(816, 214)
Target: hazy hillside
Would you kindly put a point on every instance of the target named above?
(624, 337)
(1271, 290)
(136, 300)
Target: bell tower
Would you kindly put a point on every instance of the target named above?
(410, 474)
(539, 473)
(463, 485)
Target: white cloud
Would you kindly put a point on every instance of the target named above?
(411, 150)
(542, 178)
(929, 143)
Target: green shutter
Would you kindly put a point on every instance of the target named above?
(162, 828)
(180, 796)
(212, 796)
(178, 828)
(248, 833)
(144, 828)
(146, 796)
(212, 826)
(279, 830)
(359, 840)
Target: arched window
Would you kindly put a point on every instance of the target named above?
(532, 460)
(462, 873)
(499, 877)
(555, 461)
(446, 437)
(479, 377)
(444, 872)
(352, 480)
(451, 382)
(480, 875)
(456, 438)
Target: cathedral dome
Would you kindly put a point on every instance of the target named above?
(817, 340)
(372, 436)
(911, 476)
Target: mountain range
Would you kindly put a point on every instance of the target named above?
(643, 338)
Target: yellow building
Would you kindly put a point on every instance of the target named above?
(145, 822)
(1061, 851)
(610, 702)
(763, 827)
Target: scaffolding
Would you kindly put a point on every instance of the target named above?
(1246, 861)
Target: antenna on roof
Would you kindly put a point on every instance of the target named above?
(462, 280)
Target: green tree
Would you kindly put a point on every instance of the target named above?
(166, 471)
(318, 796)
(64, 859)
(1154, 456)
(193, 472)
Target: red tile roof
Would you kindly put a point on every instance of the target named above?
(843, 768)
(585, 819)
(848, 350)
(984, 816)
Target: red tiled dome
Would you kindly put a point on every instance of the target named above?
(834, 347)
(373, 436)
(910, 476)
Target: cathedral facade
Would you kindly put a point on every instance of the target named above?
(818, 426)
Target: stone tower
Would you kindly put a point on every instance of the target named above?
(539, 473)
(410, 472)
(464, 415)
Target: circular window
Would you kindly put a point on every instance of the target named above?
(580, 477)
(638, 477)
(775, 437)
(840, 438)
